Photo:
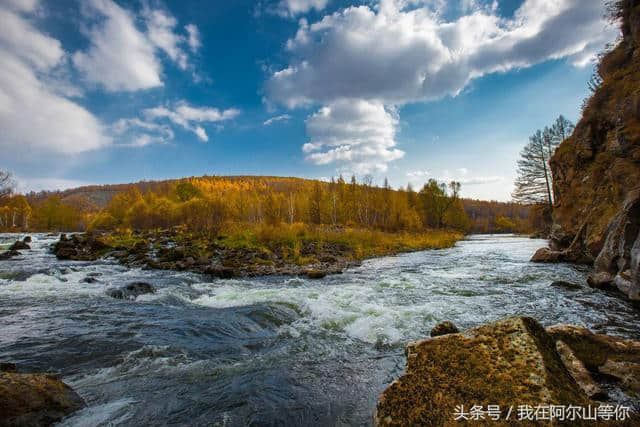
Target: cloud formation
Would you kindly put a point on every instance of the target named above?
(297, 7)
(396, 55)
(461, 175)
(403, 51)
(36, 119)
(280, 118)
(190, 118)
(122, 57)
(357, 134)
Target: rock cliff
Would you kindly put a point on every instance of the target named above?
(597, 170)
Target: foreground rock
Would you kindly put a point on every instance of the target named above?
(597, 171)
(35, 399)
(131, 290)
(511, 362)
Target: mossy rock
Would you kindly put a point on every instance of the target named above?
(508, 363)
(35, 399)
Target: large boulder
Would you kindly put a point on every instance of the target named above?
(508, 363)
(35, 399)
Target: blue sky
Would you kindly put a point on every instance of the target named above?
(110, 91)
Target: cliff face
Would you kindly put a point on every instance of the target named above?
(597, 171)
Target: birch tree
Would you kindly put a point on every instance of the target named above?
(534, 182)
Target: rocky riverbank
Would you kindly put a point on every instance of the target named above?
(173, 250)
(506, 367)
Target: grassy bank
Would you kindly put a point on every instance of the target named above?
(298, 244)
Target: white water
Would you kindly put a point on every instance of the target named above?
(276, 350)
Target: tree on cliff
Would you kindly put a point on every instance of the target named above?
(534, 181)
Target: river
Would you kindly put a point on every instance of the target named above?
(268, 351)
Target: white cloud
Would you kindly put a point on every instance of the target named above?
(461, 176)
(193, 40)
(280, 118)
(139, 133)
(34, 118)
(397, 56)
(403, 51)
(297, 7)
(185, 116)
(358, 133)
(26, 184)
(121, 57)
(161, 32)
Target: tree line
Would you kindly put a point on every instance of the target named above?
(208, 203)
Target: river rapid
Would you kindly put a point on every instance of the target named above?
(268, 351)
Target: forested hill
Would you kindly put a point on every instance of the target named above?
(475, 216)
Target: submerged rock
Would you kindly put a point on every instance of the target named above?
(315, 273)
(510, 362)
(444, 328)
(131, 290)
(27, 239)
(8, 254)
(35, 399)
(566, 285)
(7, 367)
(220, 271)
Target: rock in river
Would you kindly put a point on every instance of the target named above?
(35, 399)
(19, 245)
(131, 290)
(444, 328)
(510, 362)
(8, 254)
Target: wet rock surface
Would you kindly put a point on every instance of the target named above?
(35, 399)
(444, 328)
(87, 247)
(131, 290)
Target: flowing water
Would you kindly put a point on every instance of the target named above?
(268, 351)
